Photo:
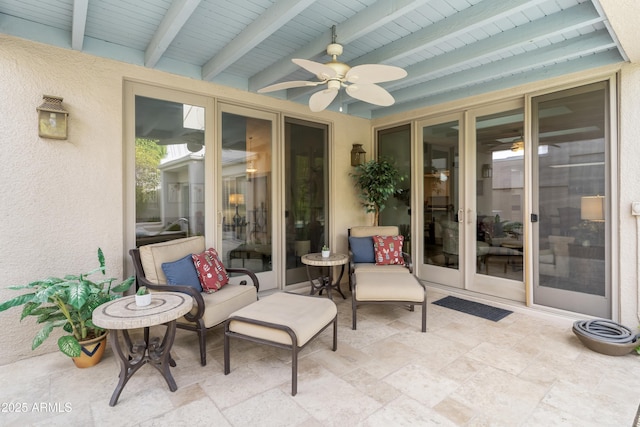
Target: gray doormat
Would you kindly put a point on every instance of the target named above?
(473, 308)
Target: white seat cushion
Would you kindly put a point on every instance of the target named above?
(305, 315)
(387, 287)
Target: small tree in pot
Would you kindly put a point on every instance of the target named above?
(378, 180)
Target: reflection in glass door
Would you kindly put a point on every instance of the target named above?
(570, 175)
(395, 144)
(169, 170)
(247, 232)
(441, 216)
(496, 241)
(499, 182)
(306, 196)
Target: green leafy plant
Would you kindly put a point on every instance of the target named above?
(142, 290)
(67, 303)
(378, 180)
(325, 248)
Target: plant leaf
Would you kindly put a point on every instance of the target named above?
(19, 300)
(78, 294)
(42, 335)
(69, 346)
(29, 309)
(101, 261)
(124, 285)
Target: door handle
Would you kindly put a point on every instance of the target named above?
(460, 214)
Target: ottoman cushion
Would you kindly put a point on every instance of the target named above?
(305, 315)
(387, 287)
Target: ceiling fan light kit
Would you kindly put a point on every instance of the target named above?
(359, 81)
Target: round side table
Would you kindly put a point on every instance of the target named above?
(121, 315)
(325, 281)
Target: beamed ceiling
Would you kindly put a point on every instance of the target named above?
(450, 49)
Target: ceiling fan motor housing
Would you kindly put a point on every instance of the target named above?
(334, 49)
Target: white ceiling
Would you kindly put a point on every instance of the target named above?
(450, 48)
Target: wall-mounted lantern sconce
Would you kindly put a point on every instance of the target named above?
(52, 118)
(357, 155)
(487, 171)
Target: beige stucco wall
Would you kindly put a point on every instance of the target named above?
(61, 200)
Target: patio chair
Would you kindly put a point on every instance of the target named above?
(374, 282)
(209, 309)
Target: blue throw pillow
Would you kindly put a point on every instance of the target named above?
(362, 249)
(182, 272)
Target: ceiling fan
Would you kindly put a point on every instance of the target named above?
(359, 81)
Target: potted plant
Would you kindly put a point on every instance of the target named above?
(325, 251)
(69, 303)
(143, 297)
(377, 180)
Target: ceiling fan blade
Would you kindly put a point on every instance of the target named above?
(288, 85)
(321, 100)
(371, 93)
(374, 73)
(324, 72)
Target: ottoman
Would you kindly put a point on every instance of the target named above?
(283, 320)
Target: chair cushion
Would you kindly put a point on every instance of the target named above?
(373, 230)
(387, 287)
(219, 305)
(182, 272)
(388, 249)
(362, 249)
(153, 256)
(211, 272)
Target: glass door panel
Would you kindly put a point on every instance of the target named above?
(499, 182)
(246, 191)
(441, 219)
(306, 194)
(570, 175)
(169, 170)
(496, 245)
(395, 144)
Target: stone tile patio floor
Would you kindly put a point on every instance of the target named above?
(526, 370)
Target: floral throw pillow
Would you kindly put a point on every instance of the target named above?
(388, 249)
(211, 272)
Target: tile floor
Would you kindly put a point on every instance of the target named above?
(525, 370)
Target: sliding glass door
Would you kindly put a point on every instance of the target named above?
(441, 229)
(245, 191)
(306, 183)
(571, 136)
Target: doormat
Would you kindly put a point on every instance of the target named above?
(473, 308)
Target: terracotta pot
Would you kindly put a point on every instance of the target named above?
(92, 351)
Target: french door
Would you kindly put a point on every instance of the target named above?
(473, 197)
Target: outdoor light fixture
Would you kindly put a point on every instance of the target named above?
(357, 155)
(52, 118)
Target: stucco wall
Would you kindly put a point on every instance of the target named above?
(629, 191)
(61, 200)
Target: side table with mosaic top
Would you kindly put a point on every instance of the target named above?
(325, 281)
(122, 315)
